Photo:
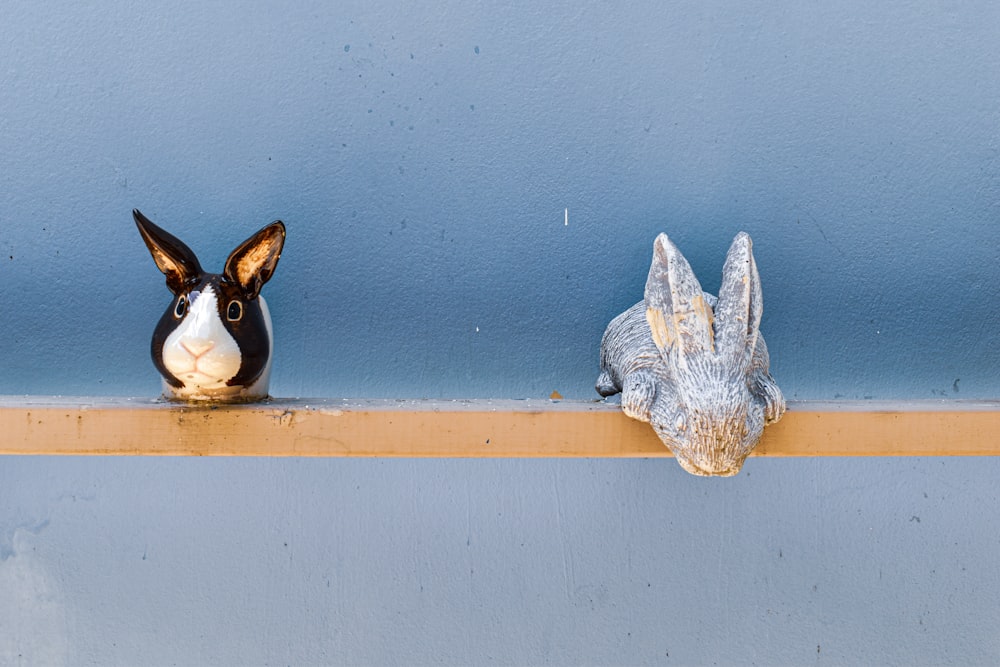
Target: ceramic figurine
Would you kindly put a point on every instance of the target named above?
(214, 341)
(693, 366)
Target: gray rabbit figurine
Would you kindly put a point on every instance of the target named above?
(693, 366)
(214, 342)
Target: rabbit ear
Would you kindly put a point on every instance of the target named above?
(678, 315)
(177, 262)
(253, 262)
(740, 302)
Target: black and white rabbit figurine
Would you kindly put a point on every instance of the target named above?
(214, 342)
(694, 366)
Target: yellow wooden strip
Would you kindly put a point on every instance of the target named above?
(919, 428)
(472, 428)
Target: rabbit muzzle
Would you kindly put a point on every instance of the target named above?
(710, 444)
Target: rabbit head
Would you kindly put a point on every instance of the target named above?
(214, 342)
(695, 366)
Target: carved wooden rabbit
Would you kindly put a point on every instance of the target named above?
(694, 366)
(214, 341)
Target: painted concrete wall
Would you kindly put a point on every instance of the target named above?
(424, 160)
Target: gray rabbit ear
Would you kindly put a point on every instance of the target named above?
(740, 303)
(679, 317)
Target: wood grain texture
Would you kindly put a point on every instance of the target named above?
(468, 428)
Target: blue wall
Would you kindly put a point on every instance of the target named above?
(423, 159)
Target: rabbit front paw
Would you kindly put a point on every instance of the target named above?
(774, 400)
(638, 392)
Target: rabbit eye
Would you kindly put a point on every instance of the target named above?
(235, 311)
(181, 307)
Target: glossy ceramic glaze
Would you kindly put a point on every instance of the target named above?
(214, 342)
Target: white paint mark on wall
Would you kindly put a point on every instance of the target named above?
(32, 613)
(566, 217)
(7, 534)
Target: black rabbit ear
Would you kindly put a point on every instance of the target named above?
(740, 304)
(252, 264)
(177, 262)
(679, 317)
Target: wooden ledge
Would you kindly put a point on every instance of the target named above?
(468, 428)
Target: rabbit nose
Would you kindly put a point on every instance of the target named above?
(197, 346)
